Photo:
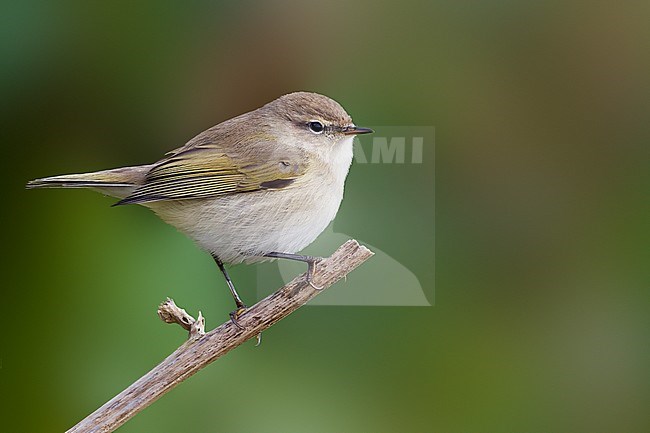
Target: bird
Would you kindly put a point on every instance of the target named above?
(257, 187)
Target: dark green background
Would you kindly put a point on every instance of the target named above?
(541, 315)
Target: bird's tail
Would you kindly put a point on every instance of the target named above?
(118, 182)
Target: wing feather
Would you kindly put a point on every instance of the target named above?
(209, 171)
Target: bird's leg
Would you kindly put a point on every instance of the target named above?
(241, 307)
(310, 260)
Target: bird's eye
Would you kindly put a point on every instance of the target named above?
(316, 127)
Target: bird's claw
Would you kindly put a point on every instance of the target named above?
(234, 315)
(311, 270)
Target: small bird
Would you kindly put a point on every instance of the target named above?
(260, 186)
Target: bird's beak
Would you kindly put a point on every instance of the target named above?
(356, 130)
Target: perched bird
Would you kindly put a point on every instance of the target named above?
(260, 186)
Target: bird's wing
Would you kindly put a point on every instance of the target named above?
(209, 170)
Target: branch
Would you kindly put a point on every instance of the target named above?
(202, 349)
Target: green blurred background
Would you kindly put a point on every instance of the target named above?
(541, 315)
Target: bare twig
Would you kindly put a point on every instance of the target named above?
(200, 350)
(169, 312)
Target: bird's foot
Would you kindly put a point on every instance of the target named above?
(234, 315)
(311, 270)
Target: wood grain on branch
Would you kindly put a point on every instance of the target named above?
(201, 349)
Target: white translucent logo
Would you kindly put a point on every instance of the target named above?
(393, 156)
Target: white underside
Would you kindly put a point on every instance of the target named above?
(243, 227)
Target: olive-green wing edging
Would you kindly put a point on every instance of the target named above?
(206, 174)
